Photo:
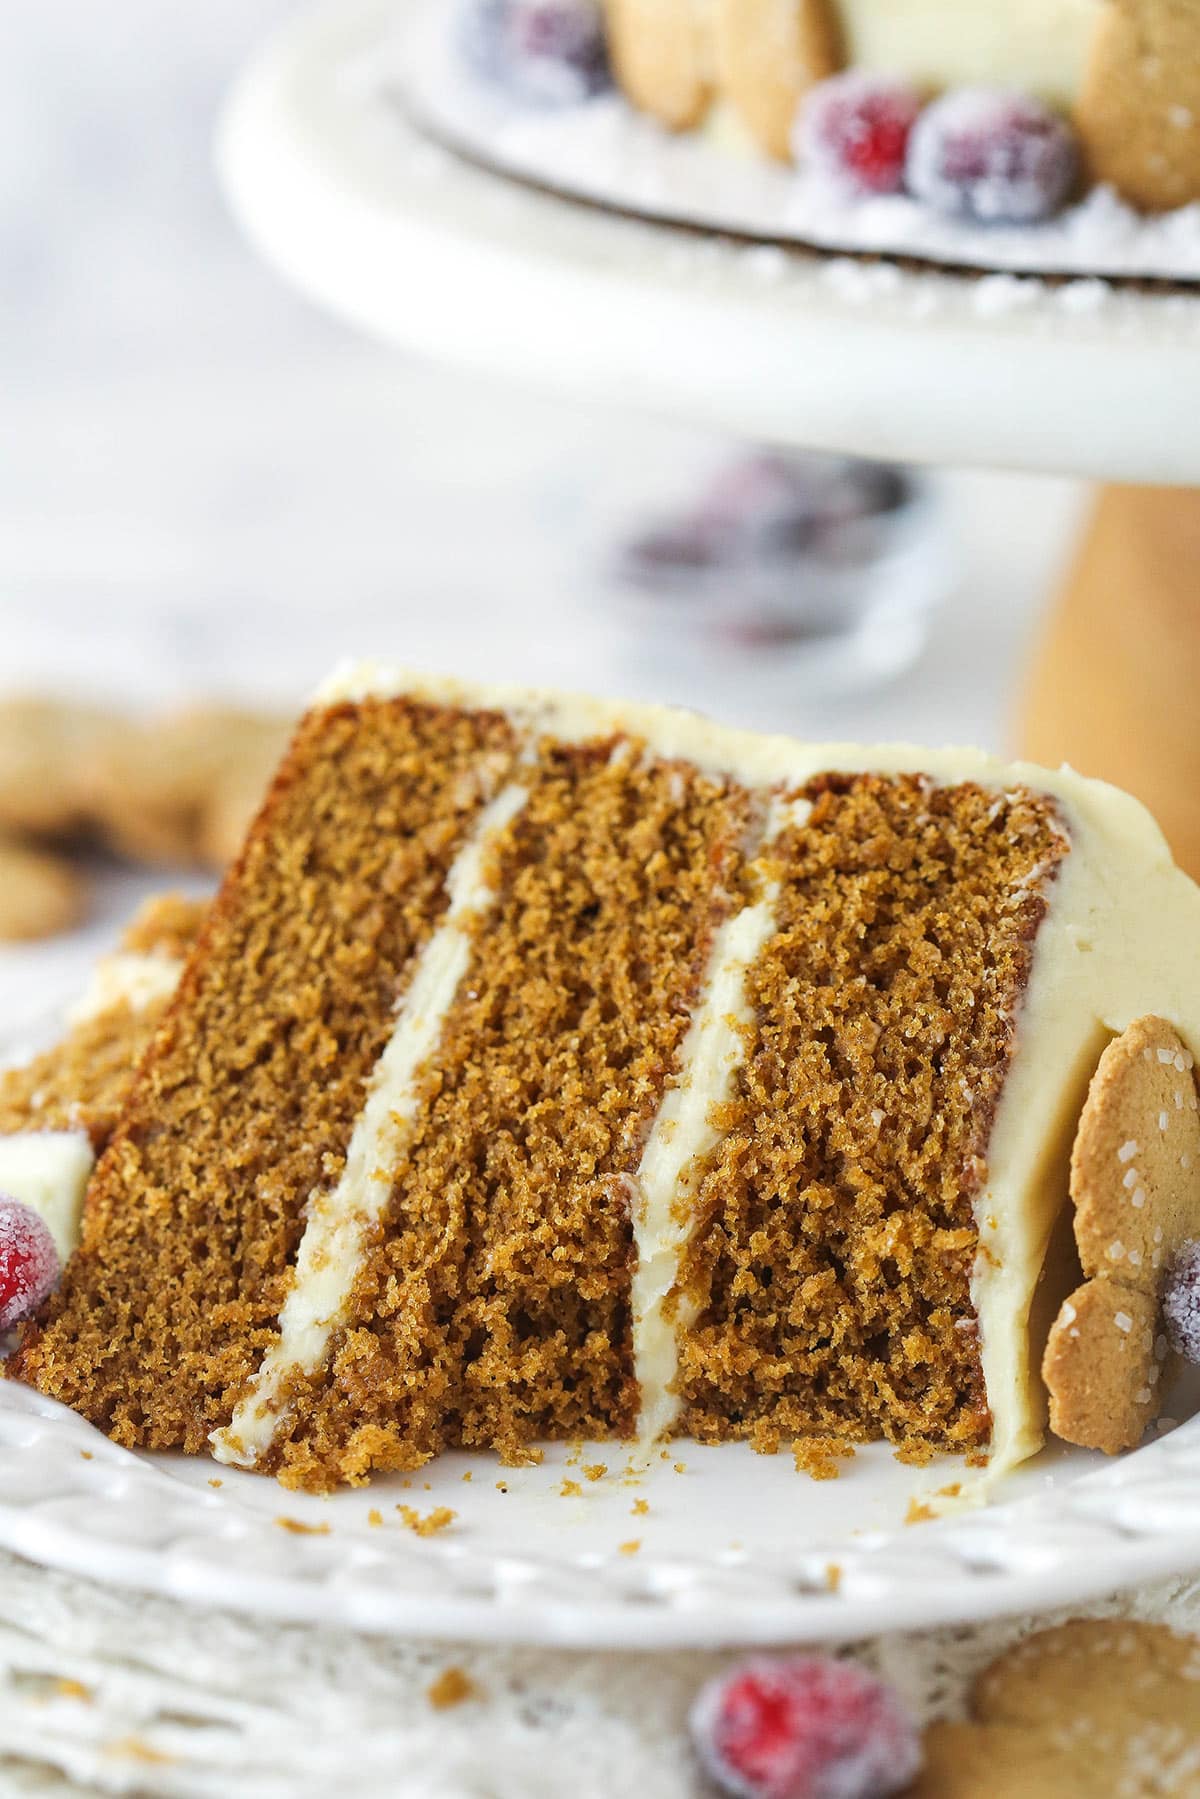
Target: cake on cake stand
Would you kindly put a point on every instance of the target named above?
(351, 201)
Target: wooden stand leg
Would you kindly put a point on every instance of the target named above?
(1115, 685)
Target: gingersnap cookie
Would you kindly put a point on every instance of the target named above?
(662, 56)
(47, 748)
(1135, 1187)
(1100, 1706)
(40, 894)
(153, 791)
(768, 54)
(1139, 109)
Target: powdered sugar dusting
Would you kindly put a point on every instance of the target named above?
(1181, 1303)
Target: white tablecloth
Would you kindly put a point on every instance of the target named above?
(106, 1691)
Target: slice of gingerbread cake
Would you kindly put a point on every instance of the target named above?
(552, 1069)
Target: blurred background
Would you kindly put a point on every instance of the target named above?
(208, 491)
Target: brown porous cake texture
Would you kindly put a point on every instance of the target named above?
(82, 1083)
(832, 1264)
(512, 1000)
(246, 1107)
(496, 1309)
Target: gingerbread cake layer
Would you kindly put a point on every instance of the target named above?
(552, 1069)
(827, 1280)
(246, 1108)
(59, 1109)
(494, 1309)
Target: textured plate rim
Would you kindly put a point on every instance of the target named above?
(1135, 1520)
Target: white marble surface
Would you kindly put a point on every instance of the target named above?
(204, 485)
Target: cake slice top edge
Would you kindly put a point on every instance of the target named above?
(757, 759)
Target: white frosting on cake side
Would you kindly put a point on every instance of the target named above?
(333, 1247)
(49, 1171)
(1121, 939)
(127, 978)
(1037, 46)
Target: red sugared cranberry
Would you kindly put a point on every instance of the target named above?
(854, 128)
(28, 1262)
(993, 156)
(804, 1727)
(1181, 1303)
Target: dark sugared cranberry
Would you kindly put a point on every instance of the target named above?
(771, 511)
(545, 52)
(1181, 1303)
(993, 156)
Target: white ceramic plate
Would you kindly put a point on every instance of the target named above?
(730, 1547)
(735, 1548)
(339, 188)
(703, 1546)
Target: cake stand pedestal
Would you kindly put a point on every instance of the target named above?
(1114, 687)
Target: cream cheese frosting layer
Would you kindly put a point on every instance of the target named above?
(127, 978)
(333, 1246)
(1121, 939)
(1038, 46)
(681, 1138)
(49, 1172)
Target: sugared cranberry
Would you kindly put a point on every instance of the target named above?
(804, 1727)
(854, 128)
(29, 1267)
(546, 52)
(771, 512)
(993, 156)
(1181, 1302)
